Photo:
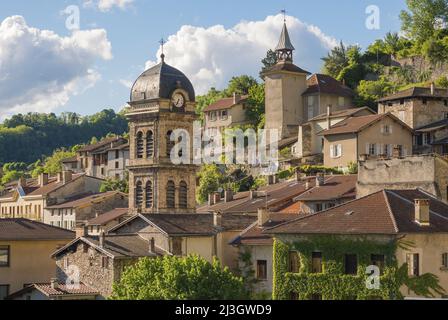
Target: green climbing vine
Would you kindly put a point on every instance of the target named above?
(333, 283)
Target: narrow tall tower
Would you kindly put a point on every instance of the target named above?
(162, 100)
(285, 83)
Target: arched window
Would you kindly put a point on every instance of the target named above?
(149, 144)
(139, 194)
(183, 195)
(170, 195)
(139, 145)
(169, 144)
(149, 195)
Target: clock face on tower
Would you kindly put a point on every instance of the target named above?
(178, 100)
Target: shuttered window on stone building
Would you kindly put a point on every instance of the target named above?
(183, 195)
(170, 195)
(140, 145)
(139, 194)
(149, 195)
(150, 144)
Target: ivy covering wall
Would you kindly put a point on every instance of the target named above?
(332, 283)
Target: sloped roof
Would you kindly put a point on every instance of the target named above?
(225, 103)
(271, 196)
(254, 235)
(342, 113)
(416, 92)
(23, 229)
(289, 67)
(335, 187)
(108, 217)
(61, 290)
(103, 143)
(90, 199)
(321, 83)
(357, 124)
(384, 212)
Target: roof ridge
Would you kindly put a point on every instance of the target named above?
(389, 209)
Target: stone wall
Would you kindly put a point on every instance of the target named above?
(427, 172)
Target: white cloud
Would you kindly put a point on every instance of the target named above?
(107, 5)
(211, 56)
(127, 83)
(40, 70)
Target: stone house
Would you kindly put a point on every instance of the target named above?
(309, 145)
(29, 198)
(373, 136)
(337, 245)
(77, 212)
(427, 172)
(422, 109)
(106, 159)
(102, 258)
(225, 113)
(25, 249)
(328, 192)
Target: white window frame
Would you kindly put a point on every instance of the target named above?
(335, 151)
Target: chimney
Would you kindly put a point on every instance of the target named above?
(263, 216)
(271, 179)
(320, 179)
(329, 107)
(228, 196)
(54, 283)
(217, 219)
(211, 199)
(307, 185)
(102, 239)
(298, 176)
(396, 152)
(217, 197)
(22, 182)
(152, 245)
(43, 179)
(82, 231)
(422, 211)
(67, 176)
(236, 98)
(60, 177)
(433, 88)
(253, 194)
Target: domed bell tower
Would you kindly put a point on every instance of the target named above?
(162, 100)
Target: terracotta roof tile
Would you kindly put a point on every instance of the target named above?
(103, 143)
(342, 113)
(416, 92)
(225, 103)
(61, 290)
(89, 199)
(321, 83)
(108, 217)
(335, 187)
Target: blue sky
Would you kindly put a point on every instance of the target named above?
(133, 32)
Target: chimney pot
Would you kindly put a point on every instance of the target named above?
(271, 179)
(217, 219)
(320, 179)
(263, 216)
(152, 245)
(236, 98)
(228, 196)
(54, 283)
(433, 88)
(102, 239)
(67, 176)
(422, 211)
(43, 179)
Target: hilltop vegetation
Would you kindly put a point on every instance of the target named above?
(28, 138)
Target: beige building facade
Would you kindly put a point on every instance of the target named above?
(375, 136)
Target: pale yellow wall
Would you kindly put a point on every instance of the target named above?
(23, 208)
(227, 254)
(354, 145)
(30, 262)
(202, 246)
(430, 247)
(236, 115)
(349, 150)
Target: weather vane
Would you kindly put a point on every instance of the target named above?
(284, 15)
(162, 43)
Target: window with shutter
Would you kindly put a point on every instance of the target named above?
(149, 195)
(149, 144)
(139, 144)
(170, 195)
(316, 262)
(294, 262)
(139, 194)
(183, 195)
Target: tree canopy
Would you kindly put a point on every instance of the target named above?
(175, 278)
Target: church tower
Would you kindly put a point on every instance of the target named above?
(284, 85)
(162, 100)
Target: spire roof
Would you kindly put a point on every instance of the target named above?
(285, 41)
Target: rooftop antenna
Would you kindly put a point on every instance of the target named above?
(162, 44)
